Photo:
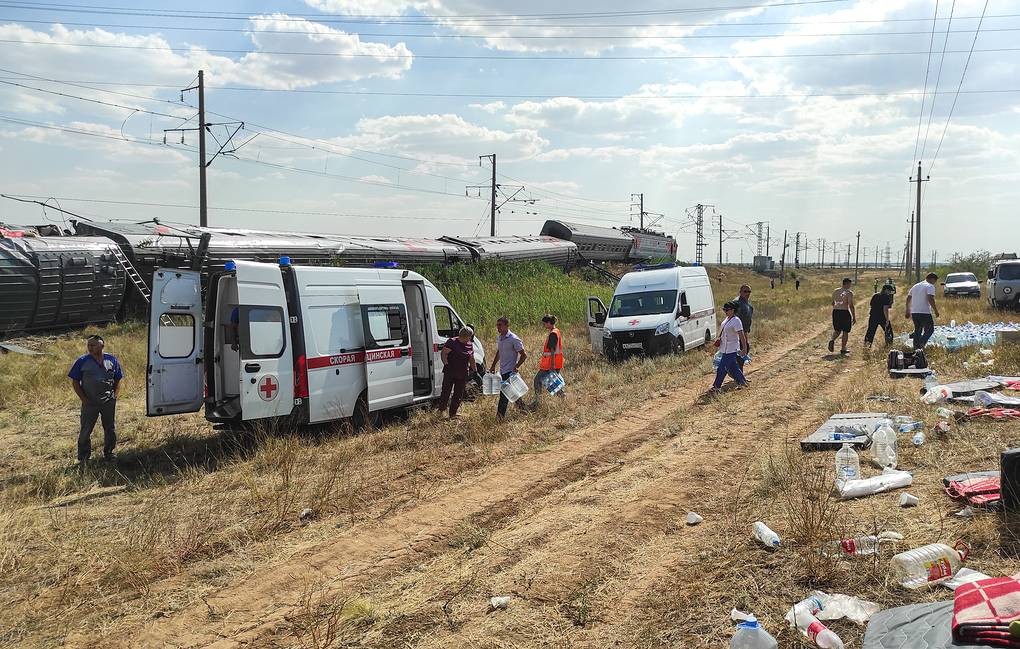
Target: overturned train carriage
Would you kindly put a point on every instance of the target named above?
(52, 282)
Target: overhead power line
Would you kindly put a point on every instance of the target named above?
(544, 36)
(938, 78)
(238, 15)
(927, 69)
(497, 57)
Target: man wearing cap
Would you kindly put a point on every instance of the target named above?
(95, 378)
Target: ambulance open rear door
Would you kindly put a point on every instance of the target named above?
(267, 359)
(388, 363)
(174, 372)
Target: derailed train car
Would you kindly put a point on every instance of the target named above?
(611, 244)
(51, 282)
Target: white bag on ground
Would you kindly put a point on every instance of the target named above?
(889, 479)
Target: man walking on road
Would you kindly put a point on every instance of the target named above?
(843, 315)
(745, 312)
(878, 316)
(920, 308)
(95, 378)
(510, 355)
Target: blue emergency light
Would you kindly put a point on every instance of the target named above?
(385, 264)
(230, 266)
(284, 261)
(668, 264)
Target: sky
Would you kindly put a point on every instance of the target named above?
(370, 116)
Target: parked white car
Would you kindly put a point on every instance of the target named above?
(961, 284)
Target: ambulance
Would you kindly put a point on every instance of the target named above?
(656, 309)
(305, 344)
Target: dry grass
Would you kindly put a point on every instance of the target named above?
(205, 507)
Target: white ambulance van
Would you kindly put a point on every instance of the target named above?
(659, 309)
(310, 344)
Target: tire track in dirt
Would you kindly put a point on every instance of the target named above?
(242, 613)
(621, 543)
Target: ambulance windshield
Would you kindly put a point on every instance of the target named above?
(646, 303)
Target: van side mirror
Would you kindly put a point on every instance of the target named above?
(600, 317)
(685, 310)
(991, 274)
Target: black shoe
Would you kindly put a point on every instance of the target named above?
(110, 457)
(832, 346)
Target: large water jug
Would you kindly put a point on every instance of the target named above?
(750, 635)
(491, 384)
(554, 382)
(929, 564)
(514, 387)
(848, 463)
(883, 446)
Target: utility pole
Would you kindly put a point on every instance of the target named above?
(699, 242)
(641, 209)
(492, 196)
(796, 250)
(909, 258)
(821, 248)
(720, 240)
(848, 254)
(758, 234)
(834, 261)
(857, 262)
(768, 233)
(917, 237)
(782, 261)
(203, 203)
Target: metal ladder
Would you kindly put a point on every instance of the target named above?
(132, 274)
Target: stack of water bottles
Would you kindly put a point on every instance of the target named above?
(718, 359)
(957, 336)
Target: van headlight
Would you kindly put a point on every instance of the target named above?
(661, 329)
(607, 333)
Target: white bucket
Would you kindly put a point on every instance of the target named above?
(491, 384)
(514, 387)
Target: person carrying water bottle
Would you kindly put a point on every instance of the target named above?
(510, 355)
(731, 342)
(552, 358)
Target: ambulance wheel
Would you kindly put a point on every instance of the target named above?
(678, 345)
(361, 418)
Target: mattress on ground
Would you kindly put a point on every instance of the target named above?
(918, 626)
(825, 438)
(970, 386)
(911, 372)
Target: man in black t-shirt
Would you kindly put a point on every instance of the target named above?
(881, 302)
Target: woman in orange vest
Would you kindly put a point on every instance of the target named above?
(552, 358)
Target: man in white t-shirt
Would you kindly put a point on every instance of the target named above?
(920, 308)
(732, 341)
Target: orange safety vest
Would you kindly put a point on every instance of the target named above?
(552, 359)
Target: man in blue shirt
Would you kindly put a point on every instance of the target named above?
(95, 378)
(510, 355)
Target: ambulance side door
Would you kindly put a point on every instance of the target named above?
(596, 322)
(388, 365)
(175, 372)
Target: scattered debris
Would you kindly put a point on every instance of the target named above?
(929, 564)
(967, 512)
(964, 576)
(306, 515)
(694, 518)
(888, 480)
(860, 546)
(908, 500)
(807, 614)
(499, 603)
(767, 537)
(882, 397)
(18, 349)
(740, 616)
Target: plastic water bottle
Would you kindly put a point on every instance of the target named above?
(860, 546)
(848, 463)
(929, 564)
(553, 383)
(491, 383)
(918, 438)
(762, 532)
(806, 622)
(750, 635)
(883, 446)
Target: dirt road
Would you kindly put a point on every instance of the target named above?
(585, 534)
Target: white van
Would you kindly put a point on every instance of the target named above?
(311, 344)
(665, 308)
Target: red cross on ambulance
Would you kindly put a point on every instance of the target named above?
(268, 388)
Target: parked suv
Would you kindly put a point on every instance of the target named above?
(961, 284)
(1004, 283)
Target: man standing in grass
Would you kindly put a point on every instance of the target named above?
(745, 312)
(95, 378)
(510, 355)
(843, 315)
(878, 316)
(920, 308)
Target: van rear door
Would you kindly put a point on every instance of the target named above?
(596, 322)
(267, 363)
(388, 365)
(174, 372)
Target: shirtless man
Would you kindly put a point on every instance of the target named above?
(843, 315)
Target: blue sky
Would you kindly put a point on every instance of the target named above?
(805, 115)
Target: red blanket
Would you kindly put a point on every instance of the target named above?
(983, 610)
